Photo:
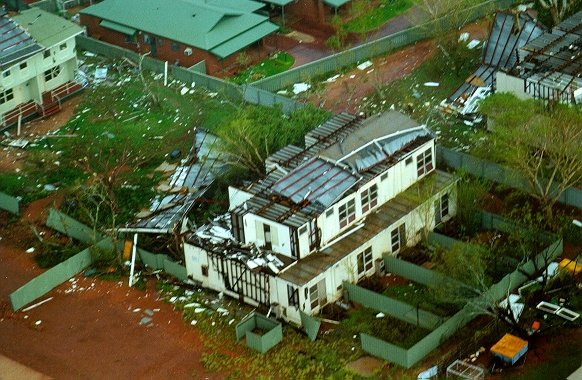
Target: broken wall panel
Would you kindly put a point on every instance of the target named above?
(44, 283)
(9, 203)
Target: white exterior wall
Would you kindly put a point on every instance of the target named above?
(347, 268)
(281, 244)
(29, 83)
(511, 84)
(237, 197)
(400, 177)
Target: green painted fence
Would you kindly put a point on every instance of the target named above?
(9, 203)
(273, 332)
(163, 262)
(408, 358)
(42, 284)
(498, 173)
(310, 324)
(392, 307)
(416, 273)
(71, 227)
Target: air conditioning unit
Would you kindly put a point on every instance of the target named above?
(187, 52)
(379, 267)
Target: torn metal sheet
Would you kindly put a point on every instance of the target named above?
(552, 63)
(509, 32)
(185, 186)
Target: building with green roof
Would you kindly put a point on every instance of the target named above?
(38, 63)
(180, 31)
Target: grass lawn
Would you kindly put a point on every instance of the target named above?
(420, 101)
(417, 294)
(372, 17)
(275, 64)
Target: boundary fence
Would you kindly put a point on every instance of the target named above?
(42, 284)
(9, 203)
(413, 272)
(392, 307)
(377, 47)
(498, 173)
(227, 89)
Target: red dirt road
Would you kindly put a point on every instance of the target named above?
(92, 333)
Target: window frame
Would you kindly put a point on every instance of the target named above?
(424, 162)
(347, 213)
(369, 198)
(365, 261)
(52, 73)
(6, 96)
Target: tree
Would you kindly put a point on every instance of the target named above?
(444, 19)
(257, 132)
(541, 143)
(557, 8)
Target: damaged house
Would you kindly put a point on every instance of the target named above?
(509, 32)
(549, 66)
(38, 63)
(324, 214)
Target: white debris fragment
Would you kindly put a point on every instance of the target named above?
(184, 90)
(365, 65)
(199, 310)
(38, 322)
(332, 79)
(464, 37)
(473, 44)
(193, 323)
(432, 84)
(298, 88)
(380, 315)
(30, 250)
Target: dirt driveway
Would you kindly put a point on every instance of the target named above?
(90, 329)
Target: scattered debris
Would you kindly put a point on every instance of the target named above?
(298, 88)
(365, 65)
(100, 74)
(473, 44)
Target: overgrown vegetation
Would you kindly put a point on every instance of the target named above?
(275, 64)
(367, 15)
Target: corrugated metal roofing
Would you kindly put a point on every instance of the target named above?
(202, 24)
(311, 266)
(552, 63)
(315, 181)
(280, 195)
(47, 29)
(507, 35)
(244, 39)
(336, 3)
(15, 43)
(278, 2)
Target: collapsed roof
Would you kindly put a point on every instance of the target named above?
(185, 186)
(509, 32)
(552, 63)
(341, 155)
